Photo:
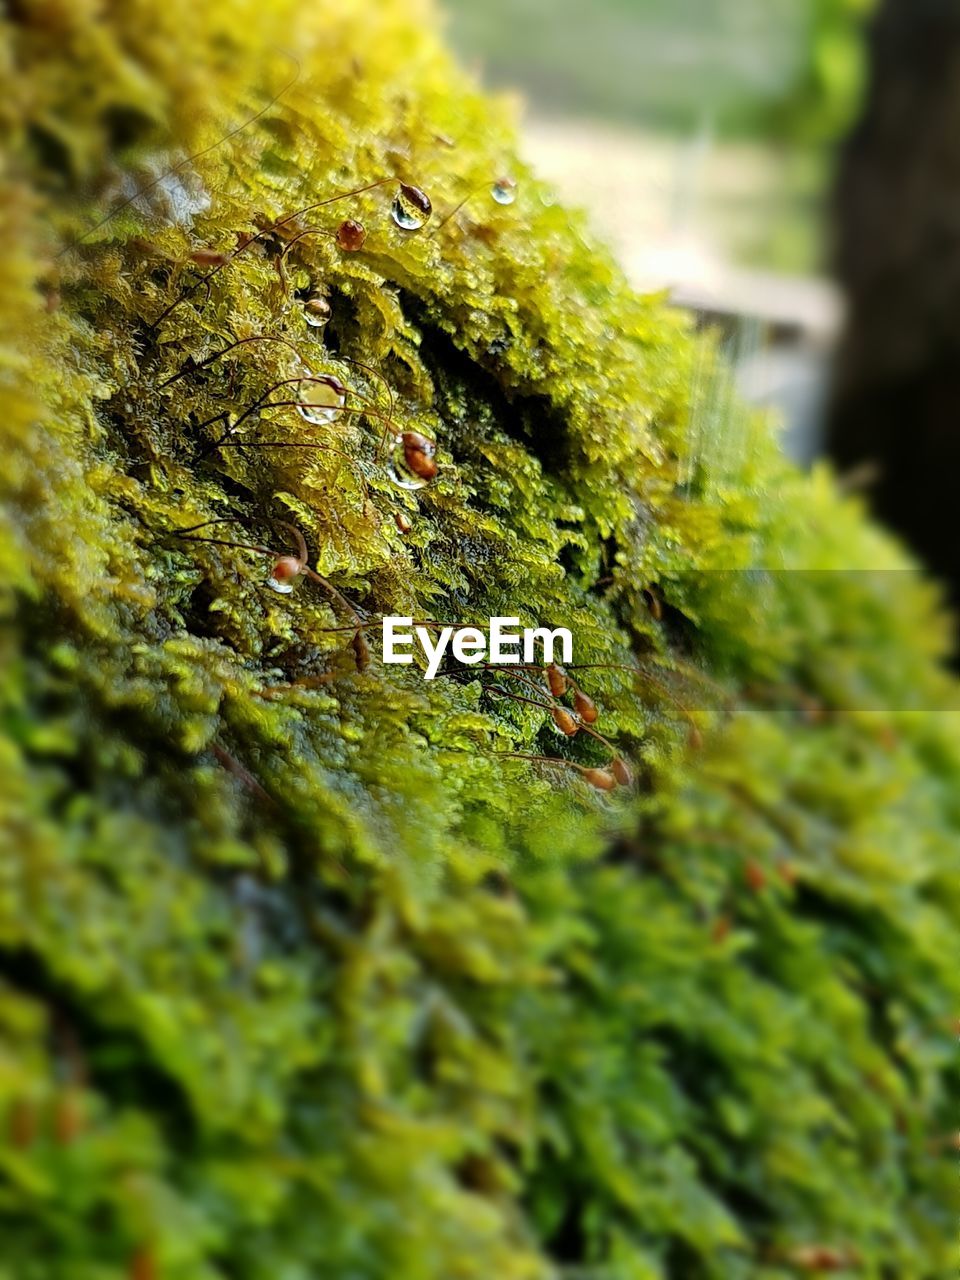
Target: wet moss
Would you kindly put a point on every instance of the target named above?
(296, 976)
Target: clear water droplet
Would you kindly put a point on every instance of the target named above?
(504, 190)
(411, 208)
(316, 311)
(286, 569)
(320, 398)
(399, 470)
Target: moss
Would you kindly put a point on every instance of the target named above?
(296, 976)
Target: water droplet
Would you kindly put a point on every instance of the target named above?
(411, 208)
(320, 398)
(316, 311)
(504, 190)
(351, 235)
(411, 463)
(286, 569)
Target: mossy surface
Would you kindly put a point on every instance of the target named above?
(296, 977)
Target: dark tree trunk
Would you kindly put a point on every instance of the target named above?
(897, 220)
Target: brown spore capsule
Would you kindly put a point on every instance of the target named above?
(622, 772)
(418, 454)
(143, 1265)
(403, 523)
(819, 1257)
(22, 1124)
(721, 929)
(351, 235)
(564, 721)
(68, 1118)
(755, 876)
(602, 779)
(557, 681)
(361, 650)
(585, 707)
(209, 258)
(412, 464)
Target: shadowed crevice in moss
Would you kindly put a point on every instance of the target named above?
(98, 1047)
(531, 420)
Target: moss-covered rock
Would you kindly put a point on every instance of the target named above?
(298, 976)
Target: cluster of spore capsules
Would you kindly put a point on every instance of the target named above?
(546, 687)
(322, 398)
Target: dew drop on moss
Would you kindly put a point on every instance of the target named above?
(320, 398)
(316, 311)
(504, 190)
(411, 208)
(286, 569)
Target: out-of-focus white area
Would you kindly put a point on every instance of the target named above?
(697, 135)
(681, 216)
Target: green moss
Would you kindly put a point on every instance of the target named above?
(296, 977)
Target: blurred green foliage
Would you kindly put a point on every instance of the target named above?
(781, 70)
(297, 978)
(822, 102)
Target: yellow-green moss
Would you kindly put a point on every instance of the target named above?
(296, 978)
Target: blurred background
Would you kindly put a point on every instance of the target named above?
(788, 169)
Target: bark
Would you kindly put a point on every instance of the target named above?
(897, 217)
